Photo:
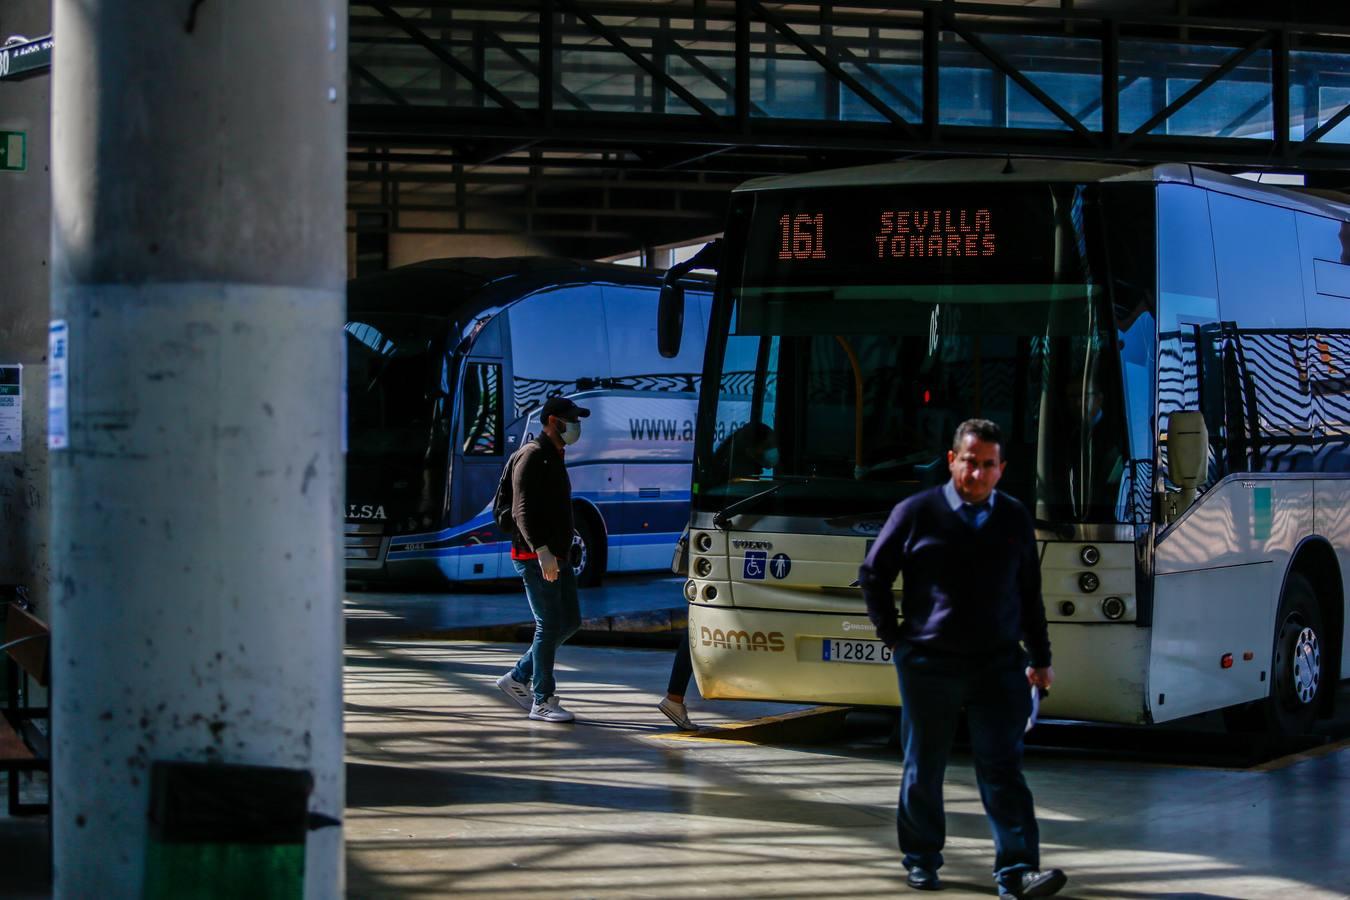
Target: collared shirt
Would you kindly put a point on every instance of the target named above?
(955, 502)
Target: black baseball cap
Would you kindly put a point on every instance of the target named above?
(563, 408)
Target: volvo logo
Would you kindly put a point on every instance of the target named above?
(856, 626)
(367, 511)
(751, 545)
(872, 528)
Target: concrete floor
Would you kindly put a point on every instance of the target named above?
(371, 615)
(452, 791)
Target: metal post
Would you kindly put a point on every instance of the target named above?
(198, 261)
(743, 66)
(1279, 93)
(932, 65)
(1110, 84)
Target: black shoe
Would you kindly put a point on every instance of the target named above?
(922, 879)
(1045, 883)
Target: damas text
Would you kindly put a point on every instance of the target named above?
(742, 640)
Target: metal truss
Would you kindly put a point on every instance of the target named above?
(628, 121)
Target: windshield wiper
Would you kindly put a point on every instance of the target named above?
(1061, 530)
(723, 517)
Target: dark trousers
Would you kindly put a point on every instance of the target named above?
(994, 692)
(681, 670)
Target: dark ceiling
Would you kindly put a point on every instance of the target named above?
(596, 128)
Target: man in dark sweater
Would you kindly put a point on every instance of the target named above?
(971, 595)
(541, 549)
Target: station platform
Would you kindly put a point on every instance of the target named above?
(627, 605)
(453, 791)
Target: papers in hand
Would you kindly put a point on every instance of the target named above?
(1035, 708)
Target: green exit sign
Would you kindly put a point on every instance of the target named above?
(13, 151)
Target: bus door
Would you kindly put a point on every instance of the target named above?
(481, 450)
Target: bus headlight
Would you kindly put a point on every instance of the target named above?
(702, 567)
(703, 542)
(1088, 582)
(690, 591)
(710, 592)
(1090, 555)
(1113, 608)
(1067, 608)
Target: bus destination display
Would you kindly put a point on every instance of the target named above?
(845, 235)
(902, 232)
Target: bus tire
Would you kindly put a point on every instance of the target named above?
(1296, 668)
(590, 543)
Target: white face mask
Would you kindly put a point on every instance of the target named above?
(770, 457)
(570, 432)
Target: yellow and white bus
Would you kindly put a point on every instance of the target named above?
(1093, 311)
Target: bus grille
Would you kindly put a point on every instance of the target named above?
(362, 540)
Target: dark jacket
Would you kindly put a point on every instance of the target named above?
(964, 590)
(541, 500)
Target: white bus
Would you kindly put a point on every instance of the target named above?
(1093, 311)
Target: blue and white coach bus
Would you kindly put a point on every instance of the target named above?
(1167, 350)
(448, 364)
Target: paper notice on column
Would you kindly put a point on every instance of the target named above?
(11, 409)
(58, 347)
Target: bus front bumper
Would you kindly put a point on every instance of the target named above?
(757, 654)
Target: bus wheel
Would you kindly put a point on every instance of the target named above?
(1296, 671)
(588, 550)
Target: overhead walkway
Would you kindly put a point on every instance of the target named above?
(453, 105)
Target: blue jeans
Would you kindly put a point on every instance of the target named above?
(997, 699)
(557, 616)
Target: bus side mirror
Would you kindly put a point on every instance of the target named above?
(670, 308)
(1187, 458)
(670, 317)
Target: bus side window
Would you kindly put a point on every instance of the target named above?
(630, 312)
(1261, 292)
(558, 338)
(1188, 299)
(481, 411)
(1325, 244)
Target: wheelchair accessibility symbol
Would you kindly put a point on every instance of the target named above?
(780, 566)
(756, 562)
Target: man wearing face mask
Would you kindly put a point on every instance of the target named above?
(541, 545)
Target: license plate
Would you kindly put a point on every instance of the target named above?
(855, 652)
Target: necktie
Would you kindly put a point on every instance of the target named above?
(974, 513)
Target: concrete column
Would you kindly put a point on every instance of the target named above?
(198, 258)
(25, 286)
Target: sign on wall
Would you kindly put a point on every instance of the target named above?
(23, 58)
(13, 151)
(11, 409)
(58, 419)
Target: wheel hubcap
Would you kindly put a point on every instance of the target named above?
(581, 554)
(1307, 660)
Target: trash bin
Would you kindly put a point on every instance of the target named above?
(220, 831)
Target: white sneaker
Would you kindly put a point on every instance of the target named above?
(550, 711)
(516, 691)
(677, 713)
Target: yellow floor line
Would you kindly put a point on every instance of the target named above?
(726, 734)
(1285, 762)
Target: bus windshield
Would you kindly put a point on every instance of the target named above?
(399, 387)
(861, 328)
